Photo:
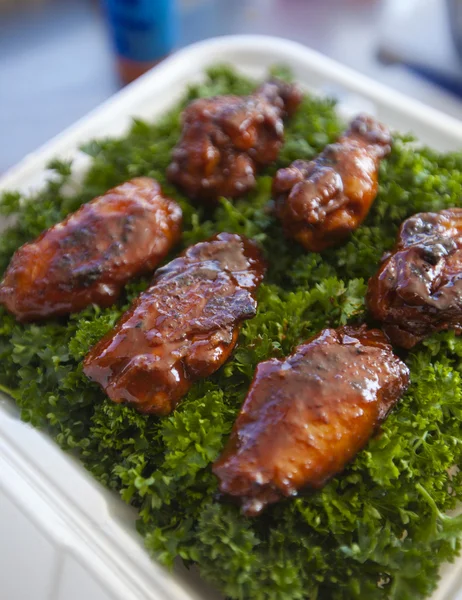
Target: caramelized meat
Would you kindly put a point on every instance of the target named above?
(226, 138)
(182, 328)
(418, 288)
(91, 255)
(305, 417)
(320, 202)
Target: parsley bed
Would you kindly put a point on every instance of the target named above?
(378, 530)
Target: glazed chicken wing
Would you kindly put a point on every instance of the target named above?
(91, 255)
(305, 417)
(320, 202)
(182, 328)
(418, 288)
(226, 138)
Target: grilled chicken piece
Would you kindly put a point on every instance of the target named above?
(91, 255)
(305, 417)
(418, 288)
(182, 328)
(320, 202)
(226, 138)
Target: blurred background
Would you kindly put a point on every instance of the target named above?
(61, 58)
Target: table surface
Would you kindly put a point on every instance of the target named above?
(56, 61)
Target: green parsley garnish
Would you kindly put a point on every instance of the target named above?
(379, 529)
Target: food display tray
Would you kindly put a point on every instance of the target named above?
(62, 535)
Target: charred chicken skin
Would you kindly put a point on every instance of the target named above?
(226, 138)
(306, 416)
(90, 256)
(320, 202)
(418, 288)
(182, 328)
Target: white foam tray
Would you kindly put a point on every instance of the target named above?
(62, 536)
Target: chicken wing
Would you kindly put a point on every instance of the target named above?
(91, 255)
(305, 417)
(226, 138)
(418, 288)
(320, 202)
(182, 328)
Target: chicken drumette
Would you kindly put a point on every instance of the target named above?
(91, 255)
(182, 328)
(320, 202)
(305, 417)
(418, 288)
(225, 140)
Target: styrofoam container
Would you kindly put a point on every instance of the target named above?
(62, 535)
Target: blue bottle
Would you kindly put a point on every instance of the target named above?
(143, 31)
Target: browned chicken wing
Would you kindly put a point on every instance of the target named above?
(320, 202)
(91, 255)
(418, 288)
(226, 138)
(182, 328)
(305, 417)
